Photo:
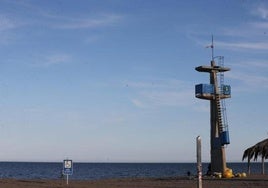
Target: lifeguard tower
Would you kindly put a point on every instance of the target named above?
(216, 92)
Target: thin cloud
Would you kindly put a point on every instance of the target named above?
(92, 39)
(261, 10)
(166, 93)
(259, 25)
(57, 59)
(158, 84)
(201, 107)
(51, 18)
(8, 27)
(171, 98)
(83, 23)
(7, 23)
(249, 75)
(238, 39)
(252, 64)
(251, 82)
(52, 60)
(138, 103)
(244, 31)
(243, 45)
(246, 36)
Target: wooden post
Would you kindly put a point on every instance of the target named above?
(199, 162)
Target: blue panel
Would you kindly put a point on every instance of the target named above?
(226, 89)
(225, 138)
(204, 89)
(198, 88)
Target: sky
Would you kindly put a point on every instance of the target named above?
(114, 81)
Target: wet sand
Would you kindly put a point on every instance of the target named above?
(258, 181)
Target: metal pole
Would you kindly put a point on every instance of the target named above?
(67, 179)
(199, 162)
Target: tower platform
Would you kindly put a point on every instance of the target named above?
(212, 68)
(208, 96)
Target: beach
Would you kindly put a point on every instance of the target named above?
(260, 181)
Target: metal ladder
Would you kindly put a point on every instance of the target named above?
(219, 113)
(222, 115)
(223, 106)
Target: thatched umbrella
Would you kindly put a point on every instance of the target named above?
(249, 153)
(259, 149)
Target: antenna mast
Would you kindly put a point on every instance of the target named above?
(212, 48)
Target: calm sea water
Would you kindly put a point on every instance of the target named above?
(90, 171)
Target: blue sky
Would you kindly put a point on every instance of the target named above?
(113, 81)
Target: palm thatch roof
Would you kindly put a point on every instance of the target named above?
(259, 149)
(249, 153)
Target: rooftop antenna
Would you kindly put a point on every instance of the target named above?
(212, 48)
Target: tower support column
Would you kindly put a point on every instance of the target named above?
(218, 158)
(215, 92)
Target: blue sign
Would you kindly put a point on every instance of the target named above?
(67, 167)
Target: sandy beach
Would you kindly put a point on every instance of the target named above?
(260, 181)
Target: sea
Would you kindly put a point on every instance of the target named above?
(95, 171)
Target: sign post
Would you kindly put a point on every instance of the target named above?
(67, 168)
(199, 162)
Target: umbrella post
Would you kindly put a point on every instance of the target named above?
(248, 165)
(262, 160)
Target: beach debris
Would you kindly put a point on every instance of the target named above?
(218, 174)
(241, 175)
(228, 173)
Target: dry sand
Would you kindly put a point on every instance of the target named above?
(258, 181)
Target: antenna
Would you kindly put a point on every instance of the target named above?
(212, 48)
